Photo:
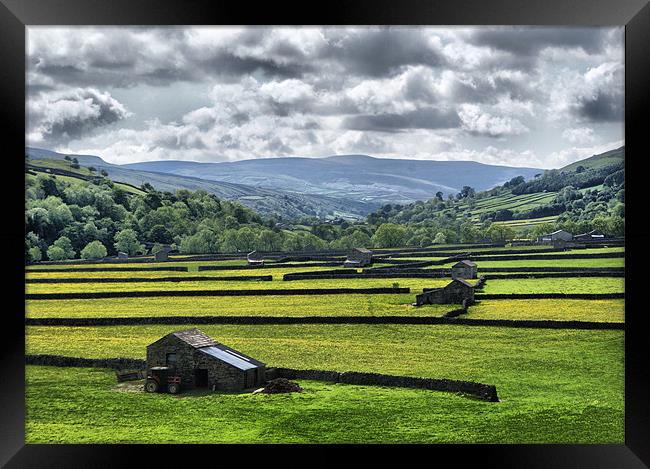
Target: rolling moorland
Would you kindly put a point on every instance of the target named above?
(546, 328)
(72, 206)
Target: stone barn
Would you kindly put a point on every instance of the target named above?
(593, 235)
(453, 293)
(358, 257)
(122, 256)
(464, 269)
(556, 236)
(203, 362)
(163, 253)
(255, 258)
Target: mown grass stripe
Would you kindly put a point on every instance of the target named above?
(269, 292)
(263, 278)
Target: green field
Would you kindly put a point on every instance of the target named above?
(275, 305)
(556, 285)
(415, 284)
(554, 385)
(555, 310)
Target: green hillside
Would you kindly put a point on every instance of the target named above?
(599, 161)
(580, 197)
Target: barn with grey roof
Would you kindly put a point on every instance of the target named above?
(202, 362)
(464, 269)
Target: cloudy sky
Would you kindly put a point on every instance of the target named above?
(541, 97)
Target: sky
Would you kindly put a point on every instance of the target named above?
(538, 97)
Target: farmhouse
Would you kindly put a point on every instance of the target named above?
(255, 258)
(163, 253)
(358, 257)
(559, 235)
(202, 362)
(453, 293)
(464, 269)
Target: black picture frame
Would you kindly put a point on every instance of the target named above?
(16, 14)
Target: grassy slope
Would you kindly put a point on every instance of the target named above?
(598, 161)
(555, 386)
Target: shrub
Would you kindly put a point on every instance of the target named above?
(93, 250)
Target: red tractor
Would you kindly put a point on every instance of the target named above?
(161, 379)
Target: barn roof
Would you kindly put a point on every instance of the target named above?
(465, 262)
(254, 255)
(363, 250)
(460, 280)
(208, 345)
(195, 338)
(231, 357)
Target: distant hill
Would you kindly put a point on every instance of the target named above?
(356, 177)
(598, 161)
(264, 201)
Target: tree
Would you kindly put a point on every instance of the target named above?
(160, 234)
(389, 235)
(467, 191)
(499, 233)
(439, 238)
(468, 233)
(75, 163)
(55, 253)
(439, 195)
(268, 240)
(127, 241)
(93, 250)
(64, 249)
(34, 254)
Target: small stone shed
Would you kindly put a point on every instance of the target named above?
(464, 269)
(203, 362)
(163, 253)
(559, 235)
(453, 293)
(255, 258)
(358, 257)
(122, 256)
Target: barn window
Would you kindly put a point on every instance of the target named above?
(171, 360)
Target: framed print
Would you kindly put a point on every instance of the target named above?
(369, 226)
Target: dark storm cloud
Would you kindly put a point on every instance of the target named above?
(425, 118)
(63, 116)
(226, 64)
(530, 40)
(382, 52)
(603, 107)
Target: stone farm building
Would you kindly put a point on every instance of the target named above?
(122, 255)
(163, 253)
(453, 293)
(358, 257)
(255, 258)
(559, 235)
(464, 269)
(593, 235)
(202, 362)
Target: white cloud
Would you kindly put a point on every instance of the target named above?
(71, 113)
(579, 135)
(477, 121)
